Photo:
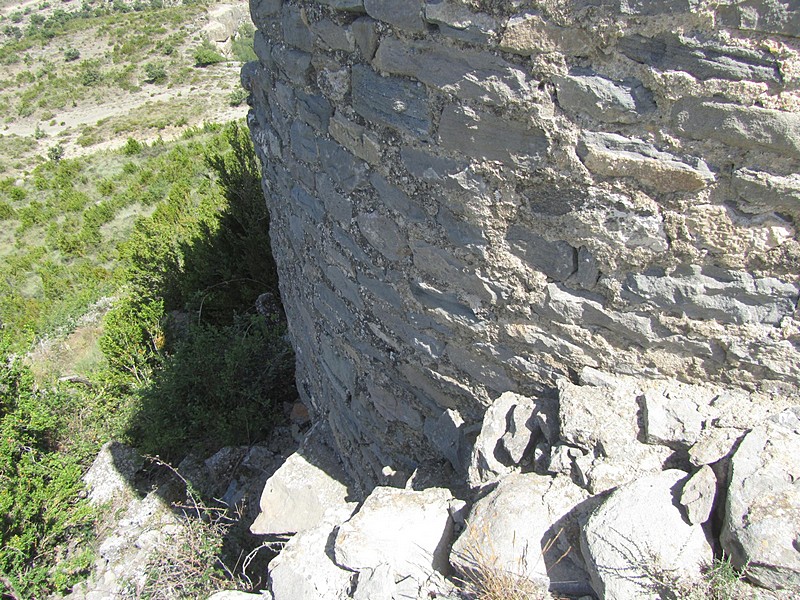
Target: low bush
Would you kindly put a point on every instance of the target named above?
(206, 54)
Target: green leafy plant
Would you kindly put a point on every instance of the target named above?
(206, 54)
(71, 54)
(155, 72)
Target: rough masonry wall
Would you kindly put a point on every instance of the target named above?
(471, 197)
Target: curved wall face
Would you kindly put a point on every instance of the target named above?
(474, 197)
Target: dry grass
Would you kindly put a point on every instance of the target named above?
(484, 577)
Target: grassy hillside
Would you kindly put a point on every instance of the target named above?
(82, 76)
(133, 248)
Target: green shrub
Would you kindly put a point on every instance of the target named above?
(242, 46)
(6, 211)
(155, 72)
(238, 96)
(39, 507)
(132, 147)
(55, 153)
(71, 54)
(206, 54)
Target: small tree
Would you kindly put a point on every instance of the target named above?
(55, 153)
(206, 54)
(155, 73)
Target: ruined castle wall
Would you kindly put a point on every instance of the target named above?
(470, 197)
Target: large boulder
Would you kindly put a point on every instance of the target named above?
(527, 526)
(761, 529)
(305, 570)
(307, 489)
(637, 543)
(408, 530)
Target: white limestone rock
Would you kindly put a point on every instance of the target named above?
(305, 570)
(698, 495)
(525, 526)
(112, 472)
(638, 537)
(308, 488)
(485, 464)
(761, 528)
(410, 531)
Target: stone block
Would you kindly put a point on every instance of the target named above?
(763, 192)
(456, 20)
(304, 142)
(698, 495)
(440, 170)
(383, 234)
(446, 304)
(701, 59)
(294, 64)
(767, 16)
(314, 110)
(603, 99)
(751, 128)
(467, 74)
(333, 36)
(397, 200)
(337, 206)
(624, 545)
(311, 205)
(446, 433)
(344, 5)
(557, 259)
(356, 138)
(403, 14)
(459, 231)
(528, 34)
(707, 293)
(263, 11)
(346, 171)
(392, 101)
(295, 28)
(486, 136)
(365, 32)
(612, 155)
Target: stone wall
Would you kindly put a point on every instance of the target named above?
(473, 197)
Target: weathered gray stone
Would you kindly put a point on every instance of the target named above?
(769, 16)
(698, 495)
(112, 473)
(762, 512)
(728, 296)
(486, 463)
(346, 5)
(365, 31)
(396, 199)
(468, 74)
(486, 136)
(703, 60)
(762, 192)
(458, 21)
(603, 99)
(713, 445)
(447, 435)
(356, 138)
(304, 142)
(314, 110)
(309, 488)
(529, 33)
(334, 36)
(294, 64)
(671, 419)
(384, 235)
(446, 304)
(262, 11)
(295, 28)
(336, 205)
(376, 584)
(524, 527)
(557, 260)
(598, 418)
(231, 595)
(612, 155)
(403, 14)
(414, 544)
(346, 171)
(742, 127)
(304, 569)
(628, 551)
(395, 102)
(645, 7)
(520, 433)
